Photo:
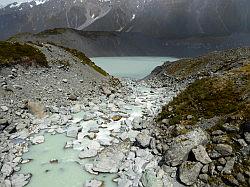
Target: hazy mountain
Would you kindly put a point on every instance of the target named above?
(113, 43)
(158, 18)
(183, 18)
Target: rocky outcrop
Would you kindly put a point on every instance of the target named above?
(182, 145)
(215, 102)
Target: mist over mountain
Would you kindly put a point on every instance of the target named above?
(158, 18)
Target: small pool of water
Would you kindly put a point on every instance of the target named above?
(66, 173)
(130, 67)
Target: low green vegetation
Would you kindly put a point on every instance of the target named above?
(52, 32)
(86, 60)
(212, 62)
(209, 97)
(16, 53)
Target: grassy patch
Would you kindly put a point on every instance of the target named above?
(212, 62)
(86, 60)
(209, 97)
(52, 32)
(15, 53)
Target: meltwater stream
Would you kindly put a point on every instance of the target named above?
(66, 173)
(66, 168)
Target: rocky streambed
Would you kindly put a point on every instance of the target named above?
(104, 140)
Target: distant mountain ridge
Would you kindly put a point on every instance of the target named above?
(157, 18)
(114, 43)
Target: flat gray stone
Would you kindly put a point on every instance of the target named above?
(20, 180)
(201, 154)
(143, 140)
(7, 169)
(72, 132)
(150, 179)
(189, 172)
(38, 140)
(87, 153)
(224, 149)
(4, 108)
(94, 183)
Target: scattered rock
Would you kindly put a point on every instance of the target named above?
(64, 80)
(72, 98)
(189, 172)
(4, 108)
(229, 166)
(230, 180)
(53, 161)
(241, 178)
(116, 118)
(38, 139)
(150, 179)
(18, 87)
(20, 180)
(7, 169)
(87, 153)
(37, 109)
(143, 140)
(72, 132)
(137, 121)
(182, 145)
(201, 155)
(204, 177)
(4, 122)
(224, 149)
(247, 137)
(230, 128)
(94, 183)
(106, 91)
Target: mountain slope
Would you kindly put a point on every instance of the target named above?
(207, 125)
(157, 18)
(183, 18)
(109, 43)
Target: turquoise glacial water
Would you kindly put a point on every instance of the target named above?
(130, 67)
(66, 173)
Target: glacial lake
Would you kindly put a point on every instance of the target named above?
(130, 67)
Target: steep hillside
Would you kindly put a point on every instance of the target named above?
(207, 65)
(50, 73)
(206, 127)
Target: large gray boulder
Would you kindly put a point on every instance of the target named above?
(182, 145)
(150, 179)
(143, 140)
(72, 132)
(110, 159)
(189, 172)
(20, 180)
